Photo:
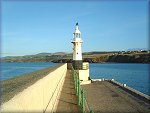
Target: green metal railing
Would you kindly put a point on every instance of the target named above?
(82, 101)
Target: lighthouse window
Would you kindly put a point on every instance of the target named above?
(77, 53)
(74, 35)
(77, 35)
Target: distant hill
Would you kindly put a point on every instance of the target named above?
(40, 57)
(138, 49)
(92, 57)
(43, 54)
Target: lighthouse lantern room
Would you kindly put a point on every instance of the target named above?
(77, 50)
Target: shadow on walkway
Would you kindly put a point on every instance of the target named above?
(68, 99)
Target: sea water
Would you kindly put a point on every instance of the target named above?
(10, 70)
(134, 75)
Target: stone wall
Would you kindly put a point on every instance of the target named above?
(39, 97)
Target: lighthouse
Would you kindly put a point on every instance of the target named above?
(82, 68)
(77, 49)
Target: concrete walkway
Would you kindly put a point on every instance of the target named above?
(105, 97)
(68, 99)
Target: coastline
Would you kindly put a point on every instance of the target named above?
(135, 58)
(93, 57)
(16, 83)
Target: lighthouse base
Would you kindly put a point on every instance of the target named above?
(77, 64)
(83, 74)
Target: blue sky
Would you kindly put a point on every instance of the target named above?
(33, 27)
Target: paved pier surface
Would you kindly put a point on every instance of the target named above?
(105, 97)
(68, 99)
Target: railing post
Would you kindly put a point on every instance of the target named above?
(82, 95)
(75, 82)
(77, 85)
(79, 92)
(74, 78)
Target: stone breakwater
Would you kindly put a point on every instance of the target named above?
(39, 97)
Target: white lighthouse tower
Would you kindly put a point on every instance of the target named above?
(77, 50)
(82, 68)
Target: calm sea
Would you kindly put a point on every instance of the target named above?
(134, 75)
(10, 70)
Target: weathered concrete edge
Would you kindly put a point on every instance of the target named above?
(54, 77)
(56, 100)
(30, 79)
(134, 92)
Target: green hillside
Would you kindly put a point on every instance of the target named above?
(91, 57)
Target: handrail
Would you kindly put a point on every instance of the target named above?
(59, 90)
(54, 93)
(82, 101)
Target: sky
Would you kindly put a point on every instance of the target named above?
(31, 27)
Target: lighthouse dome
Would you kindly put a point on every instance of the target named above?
(77, 28)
